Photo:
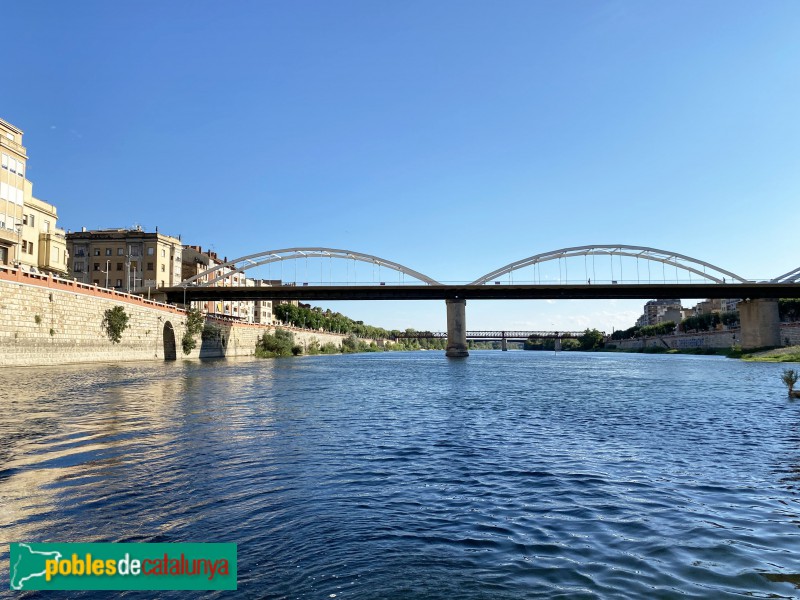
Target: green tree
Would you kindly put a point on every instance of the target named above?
(194, 325)
(115, 321)
(280, 343)
(591, 339)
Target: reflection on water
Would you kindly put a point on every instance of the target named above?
(506, 475)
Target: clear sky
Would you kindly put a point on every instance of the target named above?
(450, 136)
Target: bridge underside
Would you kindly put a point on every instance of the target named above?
(486, 292)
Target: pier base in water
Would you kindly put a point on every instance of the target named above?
(456, 329)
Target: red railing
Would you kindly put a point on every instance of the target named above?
(70, 285)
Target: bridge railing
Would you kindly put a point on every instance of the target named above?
(496, 334)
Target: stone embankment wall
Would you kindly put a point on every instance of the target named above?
(790, 336)
(47, 321)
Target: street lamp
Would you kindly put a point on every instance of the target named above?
(19, 245)
(108, 268)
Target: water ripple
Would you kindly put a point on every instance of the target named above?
(509, 475)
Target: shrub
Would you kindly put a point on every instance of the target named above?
(329, 348)
(280, 343)
(115, 321)
(194, 325)
(790, 377)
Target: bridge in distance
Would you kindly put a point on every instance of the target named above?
(758, 311)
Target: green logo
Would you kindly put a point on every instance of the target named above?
(122, 566)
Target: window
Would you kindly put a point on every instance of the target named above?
(79, 266)
(120, 251)
(119, 266)
(20, 169)
(12, 165)
(150, 251)
(97, 251)
(108, 250)
(96, 266)
(24, 245)
(134, 264)
(32, 220)
(4, 191)
(24, 219)
(5, 161)
(162, 283)
(162, 268)
(136, 251)
(163, 253)
(119, 283)
(47, 230)
(149, 266)
(9, 136)
(30, 247)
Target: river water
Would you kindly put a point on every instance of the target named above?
(407, 475)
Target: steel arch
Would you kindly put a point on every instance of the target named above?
(270, 256)
(675, 259)
(790, 277)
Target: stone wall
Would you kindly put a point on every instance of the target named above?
(789, 336)
(47, 321)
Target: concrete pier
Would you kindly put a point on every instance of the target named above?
(504, 345)
(760, 322)
(456, 328)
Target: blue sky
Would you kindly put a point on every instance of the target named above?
(453, 137)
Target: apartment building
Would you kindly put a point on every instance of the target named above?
(196, 261)
(660, 311)
(130, 260)
(29, 237)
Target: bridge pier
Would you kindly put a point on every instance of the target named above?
(504, 343)
(761, 324)
(456, 328)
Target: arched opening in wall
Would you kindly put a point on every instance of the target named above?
(170, 352)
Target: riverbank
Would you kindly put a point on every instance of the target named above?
(777, 355)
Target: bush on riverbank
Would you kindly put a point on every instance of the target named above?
(281, 343)
(194, 325)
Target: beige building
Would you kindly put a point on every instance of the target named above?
(28, 233)
(130, 260)
(195, 261)
(659, 311)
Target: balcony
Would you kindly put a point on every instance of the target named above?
(13, 146)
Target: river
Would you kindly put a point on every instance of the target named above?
(407, 475)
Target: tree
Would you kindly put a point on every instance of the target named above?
(281, 343)
(115, 321)
(194, 325)
(591, 339)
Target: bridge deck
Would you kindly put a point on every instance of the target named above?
(644, 291)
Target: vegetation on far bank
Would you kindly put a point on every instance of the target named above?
(776, 355)
(592, 339)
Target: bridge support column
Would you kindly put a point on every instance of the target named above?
(504, 344)
(456, 328)
(761, 324)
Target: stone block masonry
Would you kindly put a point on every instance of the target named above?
(46, 321)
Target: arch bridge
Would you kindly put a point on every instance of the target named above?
(710, 281)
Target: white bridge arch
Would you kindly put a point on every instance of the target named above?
(673, 259)
(243, 263)
(790, 277)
